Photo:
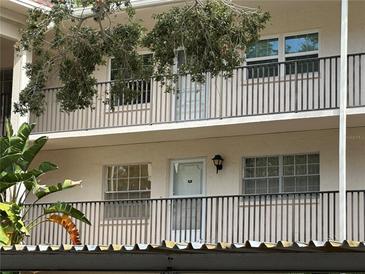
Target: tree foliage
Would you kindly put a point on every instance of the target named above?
(74, 37)
(18, 180)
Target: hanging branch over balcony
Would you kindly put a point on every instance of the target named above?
(74, 37)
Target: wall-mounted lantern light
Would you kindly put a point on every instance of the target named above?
(218, 162)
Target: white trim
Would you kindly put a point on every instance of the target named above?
(196, 124)
(29, 4)
(187, 160)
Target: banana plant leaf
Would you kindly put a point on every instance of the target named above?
(4, 145)
(8, 128)
(11, 218)
(66, 208)
(31, 151)
(4, 239)
(43, 190)
(8, 160)
(9, 179)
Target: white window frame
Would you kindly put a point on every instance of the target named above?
(263, 58)
(281, 46)
(105, 187)
(285, 35)
(281, 173)
(105, 183)
(131, 107)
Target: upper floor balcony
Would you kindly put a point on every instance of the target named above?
(295, 86)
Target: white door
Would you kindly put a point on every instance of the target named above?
(187, 211)
(191, 96)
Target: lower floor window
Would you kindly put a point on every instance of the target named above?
(124, 185)
(281, 174)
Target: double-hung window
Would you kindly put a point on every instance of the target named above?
(260, 56)
(301, 53)
(140, 89)
(281, 174)
(127, 182)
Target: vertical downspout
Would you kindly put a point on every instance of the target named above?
(342, 122)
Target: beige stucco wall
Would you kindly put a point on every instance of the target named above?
(87, 163)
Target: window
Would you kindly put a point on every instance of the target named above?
(260, 55)
(303, 51)
(277, 174)
(126, 182)
(141, 88)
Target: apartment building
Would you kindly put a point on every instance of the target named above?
(251, 157)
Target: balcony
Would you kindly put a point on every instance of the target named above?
(236, 218)
(261, 89)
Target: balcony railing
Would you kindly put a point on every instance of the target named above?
(235, 218)
(284, 87)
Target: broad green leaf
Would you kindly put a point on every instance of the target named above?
(8, 128)
(30, 152)
(16, 144)
(45, 167)
(8, 160)
(4, 239)
(13, 214)
(24, 131)
(4, 145)
(42, 190)
(65, 208)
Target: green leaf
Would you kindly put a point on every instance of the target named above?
(4, 239)
(65, 208)
(4, 145)
(12, 220)
(8, 128)
(24, 131)
(30, 152)
(42, 190)
(8, 160)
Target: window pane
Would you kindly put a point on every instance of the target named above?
(134, 184)
(123, 185)
(262, 161)
(250, 162)
(273, 161)
(289, 184)
(288, 170)
(300, 169)
(261, 186)
(313, 183)
(288, 160)
(273, 185)
(249, 172)
(301, 184)
(302, 64)
(249, 186)
(122, 172)
(313, 169)
(262, 68)
(145, 184)
(262, 48)
(313, 158)
(261, 172)
(301, 43)
(144, 171)
(273, 171)
(300, 159)
(134, 171)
